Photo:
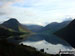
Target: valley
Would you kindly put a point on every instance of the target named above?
(38, 37)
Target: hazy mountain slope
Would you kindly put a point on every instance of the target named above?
(34, 28)
(53, 27)
(15, 25)
(68, 33)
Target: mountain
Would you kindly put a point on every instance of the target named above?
(15, 25)
(68, 33)
(34, 28)
(53, 27)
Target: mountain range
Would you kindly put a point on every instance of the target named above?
(53, 27)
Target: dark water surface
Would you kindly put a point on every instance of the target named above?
(50, 38)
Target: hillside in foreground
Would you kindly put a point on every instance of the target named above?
(9, 49)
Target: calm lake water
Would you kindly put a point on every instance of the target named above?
(49, 42)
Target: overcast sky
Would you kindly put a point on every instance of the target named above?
(37, 11)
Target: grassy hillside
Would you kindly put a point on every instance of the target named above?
(23, 29)
(8, 32)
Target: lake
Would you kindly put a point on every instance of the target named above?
(49, 42)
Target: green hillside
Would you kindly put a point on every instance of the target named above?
(7, 32)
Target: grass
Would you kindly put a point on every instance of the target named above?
(21, 29)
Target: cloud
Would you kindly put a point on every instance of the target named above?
(5, 6)
(9, 0)
(38, 11)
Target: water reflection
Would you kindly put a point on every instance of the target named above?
(47, 41)
(50, 38)
(47, 37)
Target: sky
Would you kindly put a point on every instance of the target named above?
(39, 12)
